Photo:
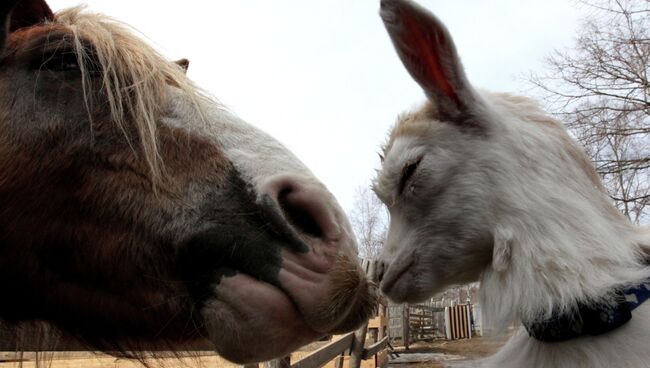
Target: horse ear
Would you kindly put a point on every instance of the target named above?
(427, 51)
(5, 11)
(28, 13)
(16, 14)
(183, 63)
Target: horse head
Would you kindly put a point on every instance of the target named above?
(138, 213)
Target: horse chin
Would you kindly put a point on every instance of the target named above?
(251, 321)
(334, 301)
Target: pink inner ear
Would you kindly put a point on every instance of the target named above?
(28, 13)
(429, 51)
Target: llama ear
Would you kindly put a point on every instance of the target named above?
(503, 240)
(16, 14)
(427, 51)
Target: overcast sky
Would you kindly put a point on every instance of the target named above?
(321, 75)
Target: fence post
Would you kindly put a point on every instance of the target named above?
(468, 317)
(447, 323)
(279, 363)
(406, 322)
(356, 350)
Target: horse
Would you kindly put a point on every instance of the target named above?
(485, 186)
(138, 214)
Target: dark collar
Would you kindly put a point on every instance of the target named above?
(590, 319)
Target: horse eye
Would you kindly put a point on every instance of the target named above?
(407, 173)
(62, 63)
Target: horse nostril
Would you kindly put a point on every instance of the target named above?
(299, 212)
(308, 208)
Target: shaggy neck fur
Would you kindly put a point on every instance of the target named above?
(558, 238)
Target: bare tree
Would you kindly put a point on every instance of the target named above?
(369, 221)
(458, 294)
(601, 90)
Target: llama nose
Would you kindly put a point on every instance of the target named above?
(306, 207)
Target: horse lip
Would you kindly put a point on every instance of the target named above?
(388, 283)
(331, 299)
(234, 304)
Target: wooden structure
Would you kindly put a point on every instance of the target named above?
(410, 323)
(458, 322)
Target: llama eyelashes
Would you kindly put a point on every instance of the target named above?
(408, 171)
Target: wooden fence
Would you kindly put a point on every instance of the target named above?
(410, 323)
(458, 322)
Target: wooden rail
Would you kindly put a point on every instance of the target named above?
(375, 348)
(326, 353)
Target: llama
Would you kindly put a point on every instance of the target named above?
(485, 186)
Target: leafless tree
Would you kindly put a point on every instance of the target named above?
(369, 221)
(600, 88)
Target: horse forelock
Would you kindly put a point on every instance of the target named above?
(135, 78)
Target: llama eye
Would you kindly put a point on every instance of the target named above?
(407, 173)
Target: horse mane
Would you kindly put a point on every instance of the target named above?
(135, 78)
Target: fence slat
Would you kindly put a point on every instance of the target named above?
(279, 363)
(375, 348)
(323, 355)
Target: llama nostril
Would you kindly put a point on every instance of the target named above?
(307, 213)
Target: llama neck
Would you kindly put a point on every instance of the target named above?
(568, 245)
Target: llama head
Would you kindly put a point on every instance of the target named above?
(474, 179)
(440, 230)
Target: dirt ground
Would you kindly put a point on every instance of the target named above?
(98, 360)
(436, 353)
(474, 348)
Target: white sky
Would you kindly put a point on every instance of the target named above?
(321, 76)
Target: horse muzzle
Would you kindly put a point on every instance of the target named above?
(294, 281)
(323, 278)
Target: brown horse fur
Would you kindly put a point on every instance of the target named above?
(117, 228)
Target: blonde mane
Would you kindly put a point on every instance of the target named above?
(135, 77)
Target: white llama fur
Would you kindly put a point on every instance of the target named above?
(504, 196)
